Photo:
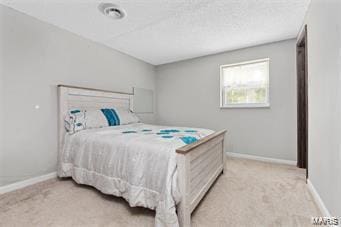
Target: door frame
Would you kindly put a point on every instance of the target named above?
(302, 101)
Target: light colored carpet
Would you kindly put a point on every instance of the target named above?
(250, 193)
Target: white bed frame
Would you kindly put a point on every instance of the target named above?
(199, 164)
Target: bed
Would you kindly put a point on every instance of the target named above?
(156, 167)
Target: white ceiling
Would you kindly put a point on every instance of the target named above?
(163, 31)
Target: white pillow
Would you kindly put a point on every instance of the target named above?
(95, 119)
(126, 116)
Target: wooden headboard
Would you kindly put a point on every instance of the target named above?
(72, 97)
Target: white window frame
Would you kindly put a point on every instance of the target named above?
(244, 105)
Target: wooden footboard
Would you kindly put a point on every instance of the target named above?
(199, 165)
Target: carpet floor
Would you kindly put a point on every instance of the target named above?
(249, 193)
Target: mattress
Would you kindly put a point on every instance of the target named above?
(135, 161)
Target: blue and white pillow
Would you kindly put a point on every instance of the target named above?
(77, 120)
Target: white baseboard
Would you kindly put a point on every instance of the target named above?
(260, 158)
(25, 183)
(318, 199)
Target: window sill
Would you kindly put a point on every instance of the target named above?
(246, 106)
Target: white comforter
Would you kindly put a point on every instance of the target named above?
(136, 162)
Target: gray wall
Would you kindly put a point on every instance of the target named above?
(1, 102)
(36, 57)
(188, 95)
(324, 68)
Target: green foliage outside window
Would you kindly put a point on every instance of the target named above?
(245, 95)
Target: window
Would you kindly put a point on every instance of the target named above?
(245, 84)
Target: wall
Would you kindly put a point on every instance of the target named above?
(36, 57)
(1, 102)
(188, 95)
(324, 69)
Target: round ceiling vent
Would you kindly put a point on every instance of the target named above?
(111, 10)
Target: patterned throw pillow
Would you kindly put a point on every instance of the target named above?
(75, 121)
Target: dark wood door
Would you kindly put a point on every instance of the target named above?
(302, 101)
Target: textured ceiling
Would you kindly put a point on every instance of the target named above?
(163, 31)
